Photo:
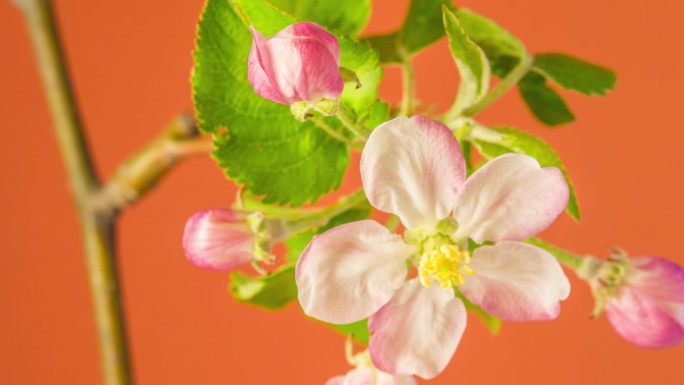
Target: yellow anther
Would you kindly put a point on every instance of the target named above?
(445, 264)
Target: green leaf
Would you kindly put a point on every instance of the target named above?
(376, 115)
(272, 291)
(491, 322)
(544, 102)
(471, 62)
(365, 62)
(514, 140)
(503, 50)
(386, 46)
(423, 24)
(358, 330)
(264, 147)
(422, 27)
(347, 17)
(575, 74)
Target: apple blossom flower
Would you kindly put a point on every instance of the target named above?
(298, 64)
(365, 373)
(414, 168)
(224, 239)
(643, 297)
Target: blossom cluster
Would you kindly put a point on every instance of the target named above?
(463, 235)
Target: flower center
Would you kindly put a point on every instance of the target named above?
(445, 264)
(440, 259)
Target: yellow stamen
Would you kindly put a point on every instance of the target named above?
(445, 264)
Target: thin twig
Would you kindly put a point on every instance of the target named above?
(98, 232)
(143, 170)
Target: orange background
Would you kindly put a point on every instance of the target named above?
(131, 62)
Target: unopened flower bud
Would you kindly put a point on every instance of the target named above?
(222, 239)
(643, 297)
(299, 64)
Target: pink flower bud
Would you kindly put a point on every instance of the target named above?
(648, 307)
(218, 239)
(299, 64)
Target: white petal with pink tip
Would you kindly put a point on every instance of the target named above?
(418, 331)
(413, 168)
(348, 273)
(510, 198)
(516, 282)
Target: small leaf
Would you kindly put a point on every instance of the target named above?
(422, 27)
(272, 291)
(491, 322)
(513, 140)
(544, 102)
(347, 17)
(471, 62)
(386, 46)
(503, 49)
(575, 74)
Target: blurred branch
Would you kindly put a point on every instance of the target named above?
(98, 204)
(143, 170)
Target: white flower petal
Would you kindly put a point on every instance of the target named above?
(349, 272)
(516, 282)
(418, 331)
(510, 198)
(413, 168)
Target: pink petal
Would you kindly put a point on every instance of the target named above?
(658, 278)
(218, 239)
(299, 63)
(351, 271)
(417, 331)
(644, 321)
(358, 376)
(313, 31)
(413, 168)
(510, 198)
(516, 282)
(259, 61)
(370, 376)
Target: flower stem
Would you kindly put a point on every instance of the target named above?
(506, 83)
(334, 133)
(348, 121)
(319, 217)
(408, 83)
(98, 231)
(565, 257)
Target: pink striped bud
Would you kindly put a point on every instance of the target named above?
(220, 239)
(643, 298)
(299, 64)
